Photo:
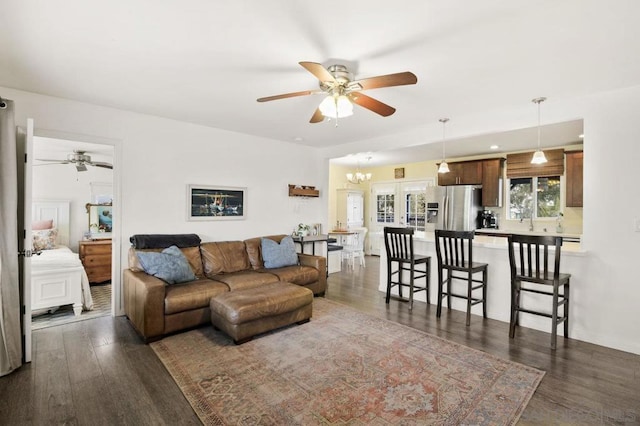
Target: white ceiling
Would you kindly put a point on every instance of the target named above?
(207, 62)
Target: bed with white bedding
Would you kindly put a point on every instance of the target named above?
(57, 275)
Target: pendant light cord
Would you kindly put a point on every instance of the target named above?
(444, 122)
(539, 101)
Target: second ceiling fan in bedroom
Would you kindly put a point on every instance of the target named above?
(80, 159)
(343, 91)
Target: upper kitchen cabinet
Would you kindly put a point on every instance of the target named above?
(350, 205)
(492, 182)
(462, 173)
(573, 172)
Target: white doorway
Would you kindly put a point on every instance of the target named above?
(397, 204)
(73, 173)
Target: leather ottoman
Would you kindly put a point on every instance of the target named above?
(242, 314)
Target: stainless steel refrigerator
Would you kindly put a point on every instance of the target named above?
(458, 207)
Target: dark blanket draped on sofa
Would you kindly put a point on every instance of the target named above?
(155, 241)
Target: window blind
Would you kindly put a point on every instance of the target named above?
(519, 165)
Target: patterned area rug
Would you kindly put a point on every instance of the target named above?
(344, 367)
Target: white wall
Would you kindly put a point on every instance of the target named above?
(605, 296)
(157, 158)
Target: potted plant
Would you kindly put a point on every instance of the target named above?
(303, 230)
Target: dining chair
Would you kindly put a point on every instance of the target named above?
(398, 244)
(534, 269)
(454, 250)
(355, 247)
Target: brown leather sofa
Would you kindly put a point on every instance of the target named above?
(156, 309)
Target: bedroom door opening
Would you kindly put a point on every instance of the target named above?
(72, 187)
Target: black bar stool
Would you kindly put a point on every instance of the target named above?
(529, 260)
(455, 254)
(398, 243)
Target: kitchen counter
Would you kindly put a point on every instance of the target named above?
(496, 239)
(491, 248)
(504, 232)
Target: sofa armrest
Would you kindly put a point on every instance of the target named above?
(320, 263)
(144, 303)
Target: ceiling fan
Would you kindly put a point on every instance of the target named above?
(343, 91)
(80, 159)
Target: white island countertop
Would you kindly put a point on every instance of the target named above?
(496, 238)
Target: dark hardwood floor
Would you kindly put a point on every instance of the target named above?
(99, 372)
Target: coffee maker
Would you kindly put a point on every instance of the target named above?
(487, 219)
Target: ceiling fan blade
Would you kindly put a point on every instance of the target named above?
(53, 161)
(372, 104)
(317, 117)
(389, 80)
(288, 95)
(319, 71)
(101, 164)
(51, 164)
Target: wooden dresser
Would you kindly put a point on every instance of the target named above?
(96, 259)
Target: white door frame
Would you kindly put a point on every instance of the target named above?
(117, 307)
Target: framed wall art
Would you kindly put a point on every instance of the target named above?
(206, 202)
(100, 220)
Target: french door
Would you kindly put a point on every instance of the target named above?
(396, 204)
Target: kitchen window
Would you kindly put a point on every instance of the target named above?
(544, 202)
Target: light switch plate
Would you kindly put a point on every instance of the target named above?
(637, 224)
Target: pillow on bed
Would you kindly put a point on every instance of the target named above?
(277, 255)
(45, 239)
(170, 265)
(39, 225)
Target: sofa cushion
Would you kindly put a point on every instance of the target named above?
(192, 295)
(224, 257)
(245, 279)
(277, 255)
(170, 265)
(191, 253)
(254, 249)
(298, 274)
(239, 307)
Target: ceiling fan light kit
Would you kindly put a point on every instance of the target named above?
(336, 106)
(342, 91)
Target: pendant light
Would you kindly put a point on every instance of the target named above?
(444, 167)
(359, 177)
(538, 156)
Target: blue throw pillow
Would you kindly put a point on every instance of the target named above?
(277, 255)
(170, 265)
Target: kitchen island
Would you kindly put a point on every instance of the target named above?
(492, 249)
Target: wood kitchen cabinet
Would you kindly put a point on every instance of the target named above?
(573, 172)
(492, 182)
(462, 173)
(96, 259)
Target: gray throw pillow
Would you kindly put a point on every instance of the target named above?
(277, 255)
(170, 265)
